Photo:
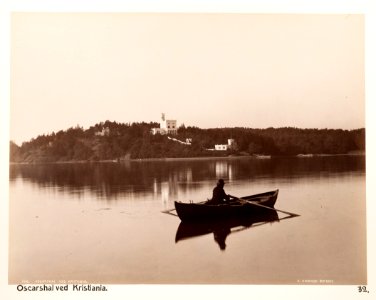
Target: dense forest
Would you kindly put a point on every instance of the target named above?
(119, 141)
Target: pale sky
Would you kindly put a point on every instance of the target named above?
(205, 70)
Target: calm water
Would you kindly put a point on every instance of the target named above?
(102, 222)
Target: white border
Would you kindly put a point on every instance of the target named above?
(261, 6)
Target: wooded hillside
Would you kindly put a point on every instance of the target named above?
(121, 141)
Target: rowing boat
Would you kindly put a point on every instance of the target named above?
(249, 205)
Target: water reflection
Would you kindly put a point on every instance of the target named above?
(328, 192)
(166, 179)
(223, 169)
(223, 228)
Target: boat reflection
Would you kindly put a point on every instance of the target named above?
(222, 228)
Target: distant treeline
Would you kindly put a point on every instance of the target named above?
(119, 141)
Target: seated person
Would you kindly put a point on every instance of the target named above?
(219, 195)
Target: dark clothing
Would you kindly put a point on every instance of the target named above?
(219, 195)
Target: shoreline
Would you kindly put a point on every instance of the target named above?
(168, 159)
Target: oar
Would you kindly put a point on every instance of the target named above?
(267, 207)
(167, 211)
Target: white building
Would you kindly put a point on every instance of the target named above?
(165, 126)
(105, 132)
(220, 147)
(224, 147)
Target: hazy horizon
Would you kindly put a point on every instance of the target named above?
(204, 70)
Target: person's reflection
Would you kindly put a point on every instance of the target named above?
(220, 236)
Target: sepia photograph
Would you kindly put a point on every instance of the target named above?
(186, 148)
